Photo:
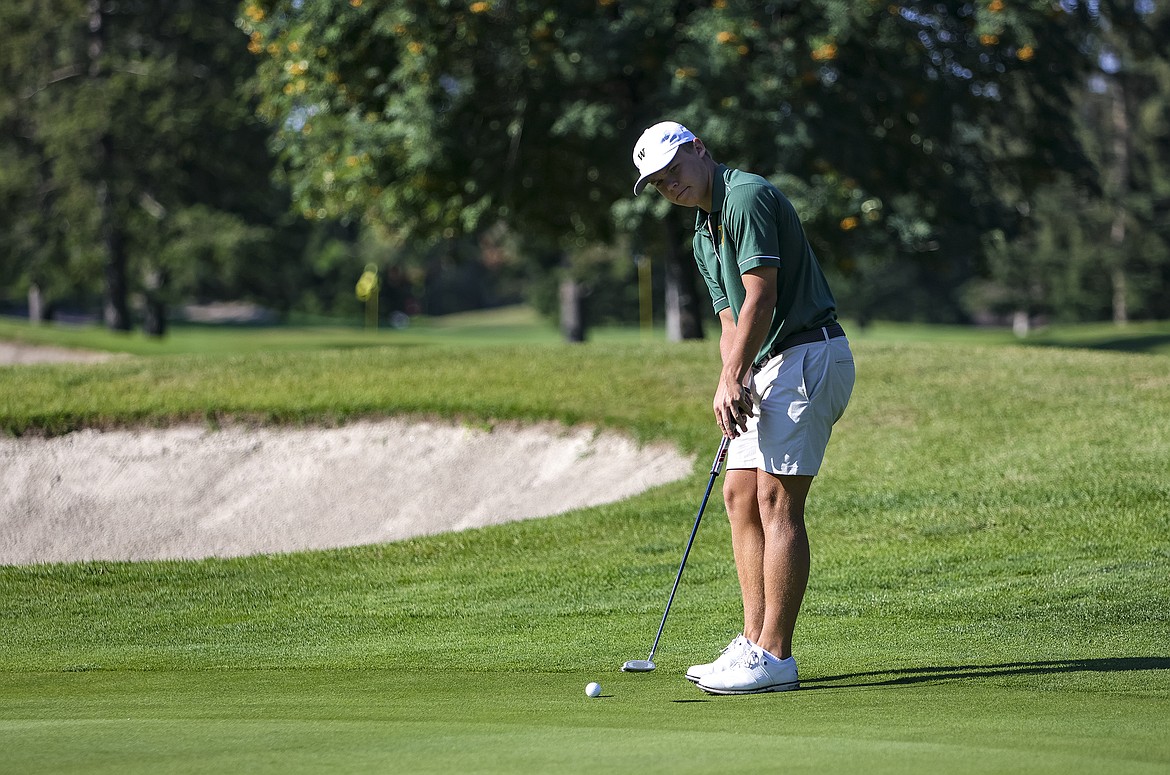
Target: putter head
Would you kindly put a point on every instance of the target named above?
(638, 666)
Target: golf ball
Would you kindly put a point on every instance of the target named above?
(592, 689)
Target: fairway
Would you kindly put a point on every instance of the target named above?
(988, 594)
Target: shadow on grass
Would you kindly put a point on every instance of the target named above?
(918, 675)
(1149, 344)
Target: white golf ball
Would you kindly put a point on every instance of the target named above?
(592, 689)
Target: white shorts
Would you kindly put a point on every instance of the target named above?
(799, 395)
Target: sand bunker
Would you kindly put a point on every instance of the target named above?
(15, 353)
(190, 492)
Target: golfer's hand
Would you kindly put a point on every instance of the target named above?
(733, 407)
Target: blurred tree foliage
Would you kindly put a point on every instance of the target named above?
(431, 120)
(905, 132)
(129, 155)
(950, 159)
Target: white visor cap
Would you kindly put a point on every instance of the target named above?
(656, 147)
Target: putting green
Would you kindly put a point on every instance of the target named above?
(354, 721)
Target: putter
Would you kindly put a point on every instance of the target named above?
(647, 664)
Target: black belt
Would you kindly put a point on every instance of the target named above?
(831, 331)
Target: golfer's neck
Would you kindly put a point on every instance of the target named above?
(705, 202)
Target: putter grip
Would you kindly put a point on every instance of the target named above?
(720, 456)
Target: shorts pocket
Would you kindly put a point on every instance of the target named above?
(814, 368)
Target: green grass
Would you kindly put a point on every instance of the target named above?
(523, 326)
(340, 721)
(988, 593)
(508, 325)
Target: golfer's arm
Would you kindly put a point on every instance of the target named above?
(739, 342)
(726, 336)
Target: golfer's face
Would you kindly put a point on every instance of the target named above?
(683, 181)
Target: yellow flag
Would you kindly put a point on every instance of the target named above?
(368, 284)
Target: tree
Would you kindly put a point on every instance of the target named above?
(1124, 119)
(432, 119)
(903, 131)
(146, 165)
(1095, 247)
(33, 253)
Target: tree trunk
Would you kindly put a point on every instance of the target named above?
(1119, 280)
(154, 313)
(572, 299)
(1021, 323)
(684, 319)
(154, 318)
(1119, 177)
(36, 305)
(117, 310)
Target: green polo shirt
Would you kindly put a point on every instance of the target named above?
(756, 225)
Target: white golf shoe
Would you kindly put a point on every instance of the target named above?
(755, 672)
(729, 656)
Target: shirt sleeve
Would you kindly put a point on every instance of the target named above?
(719, 299)
(751, 219)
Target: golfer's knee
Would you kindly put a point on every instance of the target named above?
(740, 502)
(783, 499)
(782, 515)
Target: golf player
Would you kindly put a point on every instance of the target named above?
(786, 378)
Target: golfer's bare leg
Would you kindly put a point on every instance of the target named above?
(786, 557)
(747, 543)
